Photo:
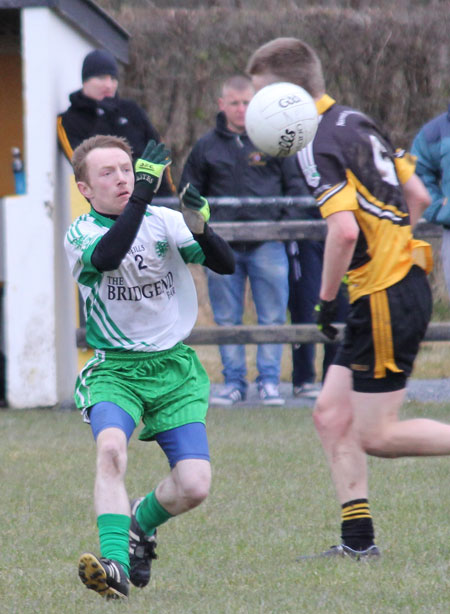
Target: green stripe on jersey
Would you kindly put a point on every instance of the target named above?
(100, 219)
(100, 325)
(192, 253)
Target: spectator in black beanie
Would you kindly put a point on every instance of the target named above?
(97, 63)
(97, 109)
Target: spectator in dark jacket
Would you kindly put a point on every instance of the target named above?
(224, 162)
(97, 109)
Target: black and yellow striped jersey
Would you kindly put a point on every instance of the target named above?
(352, 166)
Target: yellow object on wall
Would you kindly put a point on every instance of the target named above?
(78, 206)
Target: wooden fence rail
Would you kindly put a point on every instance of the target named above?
(292, 229)
(287, 333)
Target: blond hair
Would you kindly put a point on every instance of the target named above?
(289, 59)
(100, 141)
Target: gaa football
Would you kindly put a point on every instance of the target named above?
(281, 119)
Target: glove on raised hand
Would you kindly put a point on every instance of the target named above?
(195, 209)
(149, 169)
(325, 313)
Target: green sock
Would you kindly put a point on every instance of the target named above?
(150, 514)
(113, 531)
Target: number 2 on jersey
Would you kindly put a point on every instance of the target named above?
(140, 262)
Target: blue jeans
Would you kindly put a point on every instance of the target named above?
(305, 272)
(266, 267)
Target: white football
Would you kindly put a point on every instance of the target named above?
(281, 119)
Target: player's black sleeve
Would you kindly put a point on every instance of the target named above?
(113, 246)
(219, 256)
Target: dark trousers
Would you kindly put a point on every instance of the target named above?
(305, 271)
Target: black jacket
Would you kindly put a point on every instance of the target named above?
(223, 163)
(87, 117)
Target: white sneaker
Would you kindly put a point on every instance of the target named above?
(228, 396)
(270, 395)
(306, 390)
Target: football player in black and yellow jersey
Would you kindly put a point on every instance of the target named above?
(371, 199)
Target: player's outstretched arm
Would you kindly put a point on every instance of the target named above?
(219, 256)
(417, 198)
(340, 242)
(149, 169)
(342, 235)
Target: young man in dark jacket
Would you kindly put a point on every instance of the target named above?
(97, 109)
(224, 162)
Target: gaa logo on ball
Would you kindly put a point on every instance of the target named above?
(285, 102)
(281, 119)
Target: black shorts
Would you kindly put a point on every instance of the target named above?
(383, 333)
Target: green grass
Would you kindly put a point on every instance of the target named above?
(271, 501)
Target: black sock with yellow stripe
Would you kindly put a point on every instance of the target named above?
(357, 527)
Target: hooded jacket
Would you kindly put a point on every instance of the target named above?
(432, 148)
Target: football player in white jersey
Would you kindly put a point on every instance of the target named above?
(130, 262)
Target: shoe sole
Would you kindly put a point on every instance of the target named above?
(273, 402)
(94, 577)
(222, 403)
(334, 556)
(306, 395)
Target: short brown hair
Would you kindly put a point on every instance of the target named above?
(101, 141)
(238, 83)
(289, 59)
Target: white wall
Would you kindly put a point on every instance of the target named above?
(39, 302)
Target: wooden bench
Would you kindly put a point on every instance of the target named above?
(286, 230)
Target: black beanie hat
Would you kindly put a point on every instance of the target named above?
(99, 62)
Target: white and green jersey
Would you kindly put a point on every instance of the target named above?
(149, 303)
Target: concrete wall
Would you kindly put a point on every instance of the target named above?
(39, 292)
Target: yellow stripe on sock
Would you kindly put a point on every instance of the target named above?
(353, 512)
(356, 516)
(356, 506)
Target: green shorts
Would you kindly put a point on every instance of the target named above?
(163, 389)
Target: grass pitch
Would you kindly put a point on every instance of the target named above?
(271, 501)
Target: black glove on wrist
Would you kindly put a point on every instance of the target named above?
(325, 312)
